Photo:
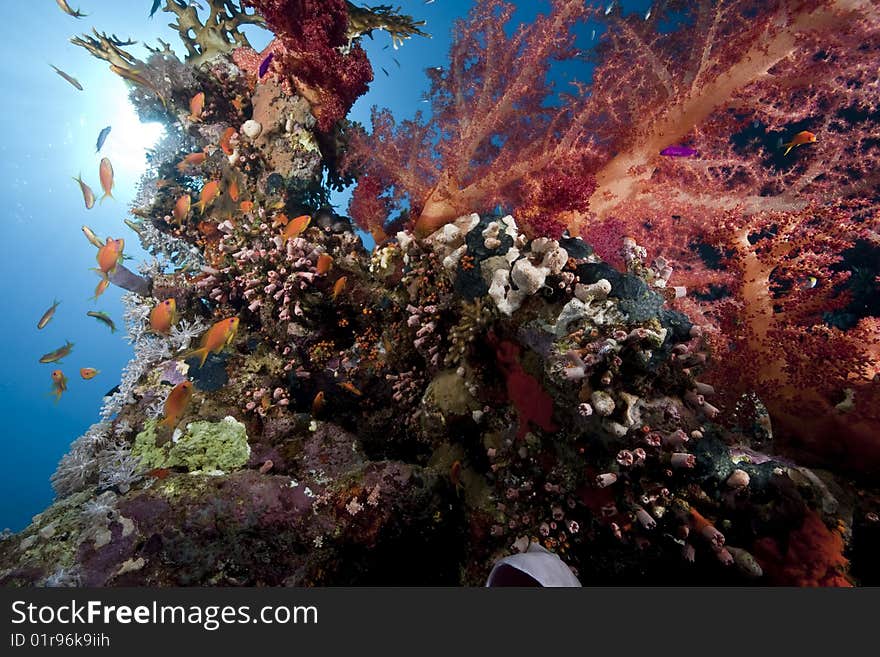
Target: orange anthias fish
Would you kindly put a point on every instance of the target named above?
(101, 288)
(226, 140)
(110, 255)
(88, 373)
(105, 173)
(348, 386)
(192, 160)
(232, 190)
(339, 286)
(318, 403)
(59, 384)
(88, 194)
(209, 193)
(215, 339)
(196, 105)
(246, 206)
(175, 405)
(325, 261)
(181, 209)
(455, 474)
(801, 138)
(295, 227)
(48, 315)
(58, 354)
(163, 316)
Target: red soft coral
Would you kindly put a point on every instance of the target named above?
(809, 556)
(314, 57)
(368, 207)
(533, 405)
(775, 341)
(493, 138)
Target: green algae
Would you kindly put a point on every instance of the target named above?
(204, 446)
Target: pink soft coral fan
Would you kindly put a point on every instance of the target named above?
(737, 80)
(820, 383)
(311, 34)
(492, 138)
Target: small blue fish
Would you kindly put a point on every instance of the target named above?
(102, 137)
(264, 65)
(679, 151)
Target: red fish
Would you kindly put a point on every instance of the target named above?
(339, 286)
(176, 404)
(295, 227)
(232, 190)
(318, 403)
(325, 261)
(88, 194)
(163, 316)
(88, 372)
(105, 174)
(109, 256)
(181, 209)
(215, 339)
(209, 193)
(101, 288)
(801, 138)
(196, 106)
(455, 474)
(226, 140)
(59, 384)
(350, 387)
(192, 160)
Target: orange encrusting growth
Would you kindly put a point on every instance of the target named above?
(810, 556)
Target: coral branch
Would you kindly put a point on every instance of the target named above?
(219, 33)
(363, 20)
(108, 48)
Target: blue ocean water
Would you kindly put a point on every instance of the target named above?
(50, 134)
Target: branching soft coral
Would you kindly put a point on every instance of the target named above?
(819, 383)
(218, 34)
(493, 138)
(733, 81)
(312, 52)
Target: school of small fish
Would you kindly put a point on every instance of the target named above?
(110, 251)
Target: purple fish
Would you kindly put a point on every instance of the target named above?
(679, 151)
(264, 65)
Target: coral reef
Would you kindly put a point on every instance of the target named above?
(483, 384)
(763, 240)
